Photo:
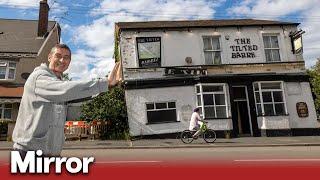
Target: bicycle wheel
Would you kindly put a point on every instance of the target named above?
(186, 137)
(209, 136)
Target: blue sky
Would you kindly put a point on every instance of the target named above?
(87, 26)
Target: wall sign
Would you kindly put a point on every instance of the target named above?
(149, 51)
(243, 48)
(302, 109)
(184, 72)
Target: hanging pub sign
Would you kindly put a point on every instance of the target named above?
(296, 41)
(149, 51)
(302, 109)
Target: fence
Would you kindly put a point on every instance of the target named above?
(82, 129)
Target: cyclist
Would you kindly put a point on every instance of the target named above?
(195, 122)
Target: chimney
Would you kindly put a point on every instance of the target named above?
(43, 18)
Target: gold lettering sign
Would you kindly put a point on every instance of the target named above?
(302, 109)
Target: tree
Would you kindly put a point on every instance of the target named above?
(314, 74)
(109, 107)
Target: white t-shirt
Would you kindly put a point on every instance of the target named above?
(195, 117)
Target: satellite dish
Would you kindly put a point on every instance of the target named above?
(25, 75)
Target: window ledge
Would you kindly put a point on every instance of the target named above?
(164, 122)
(273, 115)
(218, 118)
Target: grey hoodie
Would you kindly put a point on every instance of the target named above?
(42, 112)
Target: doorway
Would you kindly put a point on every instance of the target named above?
(242, 119)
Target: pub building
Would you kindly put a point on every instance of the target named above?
(247, 76)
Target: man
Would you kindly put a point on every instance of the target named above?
(195, 122)
(42, 112)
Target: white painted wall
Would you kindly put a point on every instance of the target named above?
(185, 99)
(294, 92)
(177, 45)
(300, 92)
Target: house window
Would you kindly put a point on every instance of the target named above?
(271, 48)
(149, 51)
(212, 50)
(161, 112)
(212, 101)
(5, 111)
(7, 70)
(269, 98)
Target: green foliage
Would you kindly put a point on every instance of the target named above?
(314, 74)
(116, 52)
(109, 107)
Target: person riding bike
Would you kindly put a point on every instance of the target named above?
(195, 123)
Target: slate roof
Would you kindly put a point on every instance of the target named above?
(20, 36)
(199, 23)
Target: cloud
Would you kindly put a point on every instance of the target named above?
(269, 9)
(84, 66)
(160, 9)
(22, 4)
(311, 38)
(98, 37)
(306, 12)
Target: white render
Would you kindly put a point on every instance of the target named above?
(185, 99)
(295, 92)
(177, 45)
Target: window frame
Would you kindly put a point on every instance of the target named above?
(8, 68)
(163, 109)
(262, 103)
(212, 50)
(202, 106)
(271, 48)
(3, 108)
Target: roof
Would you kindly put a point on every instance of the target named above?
(21, 35)
(199, 23)
(11, 91)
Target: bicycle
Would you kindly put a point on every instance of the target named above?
(208, 135)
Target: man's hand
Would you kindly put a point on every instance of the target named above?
(115, 76)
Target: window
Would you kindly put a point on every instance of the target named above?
(212, 50)
(161, 112)
(5, 111)
(7, 70)
(269, 98)
(212, 101)
(271, 48)
(149, 51)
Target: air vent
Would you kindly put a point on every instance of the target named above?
(188, 60)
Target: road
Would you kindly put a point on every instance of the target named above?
(240, 155)
(295, 162)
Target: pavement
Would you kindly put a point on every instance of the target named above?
(177, 143)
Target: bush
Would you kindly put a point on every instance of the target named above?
(314, 74)
(109, 107)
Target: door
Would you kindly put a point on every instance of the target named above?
(241, 114)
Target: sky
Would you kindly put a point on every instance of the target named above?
(88, 26)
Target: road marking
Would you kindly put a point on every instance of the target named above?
(273, 160)
(123, 162)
